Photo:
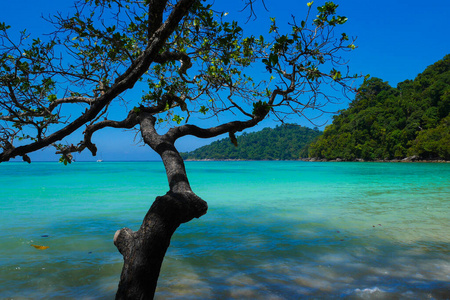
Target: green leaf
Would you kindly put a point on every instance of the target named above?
(177, 119)
(273, 59)
(4, 27)
(203, 109)
(342, 20)
(261, 108)
(337, 75)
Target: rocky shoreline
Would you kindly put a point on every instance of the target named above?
(406, 159)
(315, 159)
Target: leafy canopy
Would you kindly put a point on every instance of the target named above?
(187, 60)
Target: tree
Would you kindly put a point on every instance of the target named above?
(191, 62)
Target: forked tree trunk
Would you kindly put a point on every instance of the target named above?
(144, 250)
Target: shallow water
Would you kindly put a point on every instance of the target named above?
(274, 230)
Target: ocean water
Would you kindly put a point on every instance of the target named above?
(274, 230)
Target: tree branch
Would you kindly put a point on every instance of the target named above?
(184, 59)
(126, 81)
(177, 132)
(57, 102)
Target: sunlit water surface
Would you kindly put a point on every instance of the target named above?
(274, 230)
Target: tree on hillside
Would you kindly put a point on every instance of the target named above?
(190, 62)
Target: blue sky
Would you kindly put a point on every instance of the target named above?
(396, 41)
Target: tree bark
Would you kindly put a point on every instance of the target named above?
(144, 250)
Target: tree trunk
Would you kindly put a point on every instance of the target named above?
(144, 250)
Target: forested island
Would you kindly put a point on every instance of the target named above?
(386, 123)
(284, 142)
(411, 121)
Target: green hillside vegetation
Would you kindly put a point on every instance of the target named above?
(393, 123)
(285, 142)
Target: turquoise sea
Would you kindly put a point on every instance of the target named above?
(274, 230)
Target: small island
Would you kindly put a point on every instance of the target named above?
(284, 142)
